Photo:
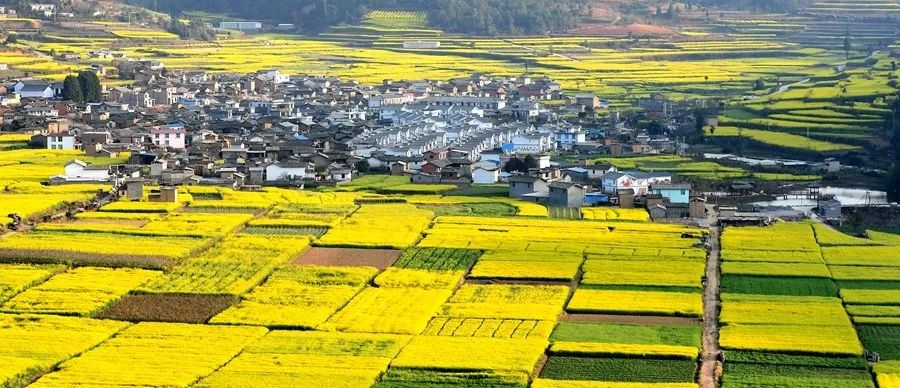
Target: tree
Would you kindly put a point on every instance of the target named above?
(759, 84)
(362, 166)
(847, 45)
(894, 65)
(72, 89)
(531, 162)
(672, 12)
(90, 86)
(515, 165)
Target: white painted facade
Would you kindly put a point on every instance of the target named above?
(485, 176)
(60, 142)
(276, 172)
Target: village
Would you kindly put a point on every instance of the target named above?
(246, 131)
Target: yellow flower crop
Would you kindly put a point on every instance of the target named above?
(133, 357)
(507, 302)
(488, 327)
(65, 246)
(16, 277)
(389, 310)
(828, 340)
(33, 344)
(301, 297)
(783, 236)
(80, 291)
(787, 310)
(636, 302)
(647, 273)
(288, 358)
(588, 349)
(551, 235)
(379, 226)
(491, 355)
(418, 278)
(614, 214)
(233, 266)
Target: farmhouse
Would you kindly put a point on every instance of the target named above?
(241, 26)
(34, 89)
(78, 171)
(421, 44)
(638, 181)
(288, 171)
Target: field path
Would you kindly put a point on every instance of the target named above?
(711, 305)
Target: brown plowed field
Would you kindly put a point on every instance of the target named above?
(184, 308)
(378, 258)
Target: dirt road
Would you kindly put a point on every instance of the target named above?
(711, 306)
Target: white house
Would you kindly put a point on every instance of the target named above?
(340, 173)
(241, 26)
(60, 142)
(46, 10)
(4, 66)
(274, 76)
(34, 89)
(485, 175)
(172, 135)
(640, 182)
(77, 170)
(533, 143)
(286, 171)
(421, 44)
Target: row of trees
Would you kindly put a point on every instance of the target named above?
(482, 17)
(192, 29)
(85, 87)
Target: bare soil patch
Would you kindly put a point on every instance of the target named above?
(47, 256)
(631, 29)
(629, 319)
(354, 257)
(183, 308)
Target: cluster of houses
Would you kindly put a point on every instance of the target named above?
(270, 128)
(603, 184)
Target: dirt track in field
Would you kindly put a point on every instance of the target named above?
(709, 365)
(353, 257)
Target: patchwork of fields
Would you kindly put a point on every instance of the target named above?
(269, 287)
(458, 299)
(800, 302)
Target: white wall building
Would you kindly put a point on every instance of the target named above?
(241, 26)
(485, 175)
(286, 171)
(77, 170)
(60, 142)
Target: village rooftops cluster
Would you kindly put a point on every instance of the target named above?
(272, 128)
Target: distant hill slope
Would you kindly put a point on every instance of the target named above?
(482, 17)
